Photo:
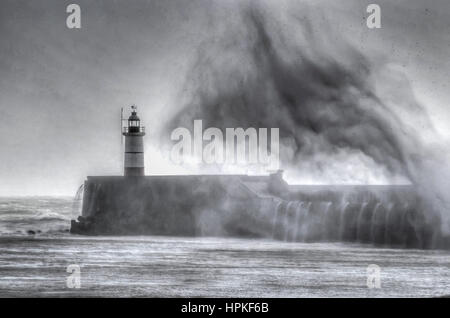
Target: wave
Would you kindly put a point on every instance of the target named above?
(35, 216)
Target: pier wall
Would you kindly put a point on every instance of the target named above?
(250, 206)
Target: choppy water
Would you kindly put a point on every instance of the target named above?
(35, 264)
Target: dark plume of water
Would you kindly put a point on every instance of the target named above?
(336, 124)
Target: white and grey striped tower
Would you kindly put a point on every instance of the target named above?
(134, 145)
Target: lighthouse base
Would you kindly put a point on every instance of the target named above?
(134, 172)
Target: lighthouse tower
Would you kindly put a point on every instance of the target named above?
(134, 145)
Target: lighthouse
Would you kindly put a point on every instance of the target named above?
(134, 145)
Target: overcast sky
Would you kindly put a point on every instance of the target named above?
(61, 90)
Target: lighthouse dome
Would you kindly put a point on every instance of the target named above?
(133, 116)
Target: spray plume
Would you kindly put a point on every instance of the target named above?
(340, 118)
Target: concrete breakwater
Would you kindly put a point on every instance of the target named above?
(257, 206)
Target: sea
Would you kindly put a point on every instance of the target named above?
(40, 258)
